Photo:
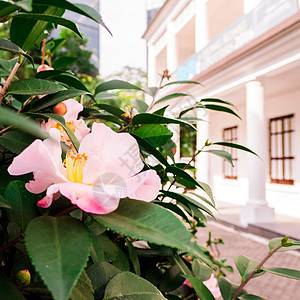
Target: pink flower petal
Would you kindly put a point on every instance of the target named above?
(119, 153)
(144, 186)
(86, 197)
(73, 109)
(44, 160)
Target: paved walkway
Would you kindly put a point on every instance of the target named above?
(268, 286)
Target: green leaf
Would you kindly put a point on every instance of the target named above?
(228, 289)
(25, 4)
(23, 204)
(52, 244)
(15, 141)
(9, 118)
(127, 285)
(34, 86)
(200, 270)
(32, 30)
(151, 150)
(174, 208)
(112, 110)
(7, 8)
(200, 288)
(171, 279)
(83, 289)
(250, 297)
(62, 62)
(171, 96)
(245, 265)
(181, 82)
(147, 118)
(221, 109)
(215, 100)
(105, 117)
(206, 188)
(156, 135)
(223, 154)
(8, 65)
(8, 289)
(106, 96)
(233, 145)
(152, 223)
(53, 99)
(274, 243)
(182, 174)
(133, 257)
(140, 105)
(284, 272)
(97, 252)
(13, 48)
(100, 273)
(51, 19)
(4, 203)
(115, 84)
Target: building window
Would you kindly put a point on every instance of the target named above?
(230, 136)
(280, 141)
(188, 145)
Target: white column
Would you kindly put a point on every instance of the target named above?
(151, 65)
(201, 25)
(256, 210)
(202, 160)
(172, 59)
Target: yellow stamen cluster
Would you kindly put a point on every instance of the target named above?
(69, 124)
(74, 164)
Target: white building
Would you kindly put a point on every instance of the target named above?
(246, 52)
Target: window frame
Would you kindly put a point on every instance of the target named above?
(233, 139)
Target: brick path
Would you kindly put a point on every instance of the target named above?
(268, 286)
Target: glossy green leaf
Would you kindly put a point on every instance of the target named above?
(106, 96)
(182, 174)
(127, 285)
(174, 208)
(146, 118)
(106, 117)
(115, 84)
(13, 48)
(215, 100)
(156, 135)
(171, 96)
(152, 223)
(52, 244)
(8, 65)
(200, 288)
(15, 141)
(97, 252)
(140, 105)
(151, 150)
(8, 290)
(181, 82)
(200, 270)
(133, 257)
(221, 109)
(62, 77)
(4, 203)
(53, 99)
(34, 86)
(83, 289)
(233, 145)
(51, 19)
(207, 189)
(250, 297)
(23, 204)
(223, 154)
(32, 30)
(7, 8)
(228, 289)
(245, 265)
(274, 243)
(171, 279)
(284, 272)
(161, 111)
(62, 62)
(112, 110)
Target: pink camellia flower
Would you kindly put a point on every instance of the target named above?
(211, 284)
(73, 108)
(106, 168)
(44, 67)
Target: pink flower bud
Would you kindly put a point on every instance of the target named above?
(44, 67)
(60, 109)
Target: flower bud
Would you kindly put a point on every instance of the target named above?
(60, 109)
(44, 67)
(23, 278)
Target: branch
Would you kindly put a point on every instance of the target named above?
(11, 243)
(9, 79)
(254, 271)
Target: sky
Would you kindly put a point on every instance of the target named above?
(127, 22)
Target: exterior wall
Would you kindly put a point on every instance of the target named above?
(225, 68)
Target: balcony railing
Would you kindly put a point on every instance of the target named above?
(266, 15)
